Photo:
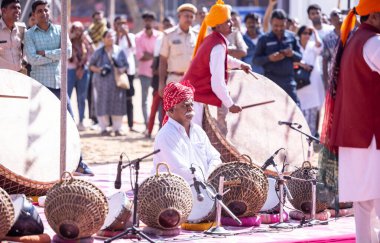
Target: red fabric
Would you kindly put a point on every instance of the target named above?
(153, 110)
(175, 93)
(199, 73)
(356, 116)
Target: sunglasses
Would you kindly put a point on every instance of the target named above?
(307, 33)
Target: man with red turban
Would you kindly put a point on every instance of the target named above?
(353, 114)
(181, 142)
(208, 69)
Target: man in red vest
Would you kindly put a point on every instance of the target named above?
(356, 118)
(208, 69)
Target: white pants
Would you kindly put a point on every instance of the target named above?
(367, 215)
(117, 122)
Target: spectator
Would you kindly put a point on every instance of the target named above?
(110, 100)
(330, 42)
(77, 73)
(253, 24)
(310, 98)
(314, 13)
(43, 51)
(201, 14)
(267, 15)
(11, 36)
(31, 21)
(236, 45)
(127, 42)
(97, 27)
(145, 41)
(292, 25)
(278, 57)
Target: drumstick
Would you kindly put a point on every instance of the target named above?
(257, 104)
(14, 97)
(253, 74)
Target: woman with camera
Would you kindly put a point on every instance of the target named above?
(310, 95)
(110, 100)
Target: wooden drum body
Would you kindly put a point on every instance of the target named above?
(7, 213)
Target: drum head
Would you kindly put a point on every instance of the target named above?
(18, 201)
(30, 129)
(117, 204)
(201, 210)
(255, 131)
(272, 198)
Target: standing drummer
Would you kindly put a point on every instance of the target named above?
(182, 143)
(208, 70)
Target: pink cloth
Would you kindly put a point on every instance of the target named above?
(245, 222)
(144, 43)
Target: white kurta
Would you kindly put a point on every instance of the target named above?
(180, 151)
(359, 168)
(312, 96)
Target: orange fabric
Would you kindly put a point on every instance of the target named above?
(365, 7)
(219, 13)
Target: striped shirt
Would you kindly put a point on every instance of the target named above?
(45, 69)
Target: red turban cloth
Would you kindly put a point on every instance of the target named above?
(175, 93)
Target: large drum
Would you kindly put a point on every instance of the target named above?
(165, 200)
(7, 213)
(30, 132)
(301, 191)
(248, 187)
(255, 131)
(75, 208)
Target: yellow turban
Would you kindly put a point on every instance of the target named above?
(219, 13)
(365, 7)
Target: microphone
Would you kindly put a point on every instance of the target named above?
(197, 185)
(289, 124)
(270, 160)
(118, 174)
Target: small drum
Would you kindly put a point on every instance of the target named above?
(301, 190)
(165, 200)
(202, 211)
(248, 187)
(7, 213)
(120, 211)
(30, 130)
(272, 201)
(27, 219)
(75, 208)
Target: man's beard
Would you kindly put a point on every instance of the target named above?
(148, 27)
(316, 21)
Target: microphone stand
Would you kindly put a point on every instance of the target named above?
(134, 230)
(282, 185)
(313, 181)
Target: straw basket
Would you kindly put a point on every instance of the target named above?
(165, 200)
(75, 208)
(248, 187)
(7, 213)
(301, 190)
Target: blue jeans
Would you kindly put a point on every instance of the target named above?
(57, 93)
(145, 84)
(81, 87)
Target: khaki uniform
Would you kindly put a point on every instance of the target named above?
(177, 46)
(236, 41)
(11, 46)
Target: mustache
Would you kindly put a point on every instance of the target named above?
(190, 113)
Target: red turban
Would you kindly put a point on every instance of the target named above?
(175, 93)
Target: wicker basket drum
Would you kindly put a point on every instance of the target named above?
(75, 208)
(165, 200)
(248, 187)
(7, 213)
(301, 190)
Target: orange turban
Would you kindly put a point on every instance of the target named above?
(365, 7)
(219, 13)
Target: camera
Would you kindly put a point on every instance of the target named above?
(106, 69)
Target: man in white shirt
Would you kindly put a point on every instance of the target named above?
(182, 143)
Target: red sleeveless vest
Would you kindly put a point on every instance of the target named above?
(199, 73)
(357, 104)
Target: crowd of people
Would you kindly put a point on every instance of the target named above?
(186, 64)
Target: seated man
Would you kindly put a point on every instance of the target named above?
(181, 142)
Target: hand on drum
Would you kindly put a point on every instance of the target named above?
(246, 67)
(235, 108)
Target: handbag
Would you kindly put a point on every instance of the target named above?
(121, 78)
(302, 77)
